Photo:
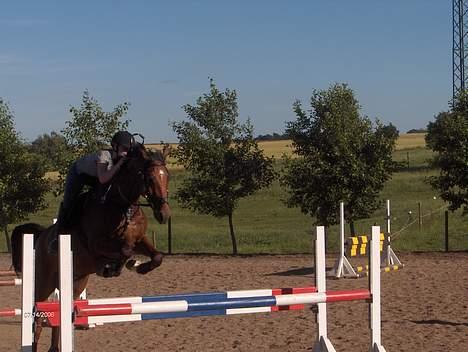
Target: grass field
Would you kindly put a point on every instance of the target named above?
(264, 224)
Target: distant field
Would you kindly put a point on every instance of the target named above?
(278, 148)
(411, 141)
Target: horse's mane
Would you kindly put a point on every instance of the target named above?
(140, 151)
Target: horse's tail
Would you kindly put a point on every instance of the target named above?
(17, 242)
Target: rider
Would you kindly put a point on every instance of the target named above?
(90, 169)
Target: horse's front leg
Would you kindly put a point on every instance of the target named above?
(145, 247)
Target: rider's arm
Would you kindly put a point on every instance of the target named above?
(105, 175)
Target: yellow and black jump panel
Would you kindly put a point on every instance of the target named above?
(358, 246)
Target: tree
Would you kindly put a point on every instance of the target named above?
(22, 183)
(50, 148)
(90, 130)
(221, 156)
(341, 156)
(448, 137)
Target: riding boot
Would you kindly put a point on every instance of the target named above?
(52, 248)
(61, 226)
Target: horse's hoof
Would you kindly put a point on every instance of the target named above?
(132, 264)
(158, 258)
(143, 268)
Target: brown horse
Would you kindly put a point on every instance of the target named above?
(107, 233)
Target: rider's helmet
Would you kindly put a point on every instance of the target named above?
(122, 138)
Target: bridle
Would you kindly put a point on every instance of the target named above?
(155, 202)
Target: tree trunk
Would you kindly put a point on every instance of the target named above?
(7, 238)
(233, 236)
(351, 228)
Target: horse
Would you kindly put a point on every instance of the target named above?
(110, 229)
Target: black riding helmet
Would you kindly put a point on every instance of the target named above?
(122, 138)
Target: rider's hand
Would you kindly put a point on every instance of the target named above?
(122, 160)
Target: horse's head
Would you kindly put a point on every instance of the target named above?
(156, 186)
(145, 174)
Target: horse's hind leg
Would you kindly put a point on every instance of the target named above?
(37, 334)
(55, 339)
(145, 247)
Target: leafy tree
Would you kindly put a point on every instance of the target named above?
(448, 137)
(51, 148)
(22, 183)
(417, 130)
(341, 156)
(221, 156)
(90, 130)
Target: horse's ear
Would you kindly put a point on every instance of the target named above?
(156, 155)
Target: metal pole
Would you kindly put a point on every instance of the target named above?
(388, 216)
(419, 216)
(446, 232)
(169, 231)
(169, 235)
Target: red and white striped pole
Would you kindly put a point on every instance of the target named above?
(11, 282)
(7, 273)
(10, 312)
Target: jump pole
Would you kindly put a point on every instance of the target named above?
(50, 309)
(7, 273)
(11, 282)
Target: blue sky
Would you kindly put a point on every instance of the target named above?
(395, 55)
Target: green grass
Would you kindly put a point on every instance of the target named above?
(264, 224)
